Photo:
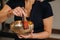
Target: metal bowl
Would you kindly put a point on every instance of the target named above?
(17, 27)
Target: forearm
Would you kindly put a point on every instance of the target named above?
(41, 35)
(4, 16)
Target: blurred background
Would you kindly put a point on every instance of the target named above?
(6, 34)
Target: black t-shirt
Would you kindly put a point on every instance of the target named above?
(40, 11)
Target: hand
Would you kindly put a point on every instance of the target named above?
(26, 36)
(18, 11)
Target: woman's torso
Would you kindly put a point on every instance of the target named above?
(35, 16)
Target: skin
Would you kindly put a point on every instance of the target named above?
(7, 12)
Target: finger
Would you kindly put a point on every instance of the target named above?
(20, 37)
(26, 36)
(15, 12)
(32, 31)
(20, 12)
(23, 36)
(24, 10)
(24, 13)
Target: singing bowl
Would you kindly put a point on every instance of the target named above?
(17, 27)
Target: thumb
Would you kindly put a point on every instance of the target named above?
(24, 12)
(32, 31)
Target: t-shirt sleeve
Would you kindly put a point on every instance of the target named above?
(11, 3)
(47, 10)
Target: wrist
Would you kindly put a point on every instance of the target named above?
(9, 14)
(34, 35)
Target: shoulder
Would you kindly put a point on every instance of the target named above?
(15, 3)
(44, 3)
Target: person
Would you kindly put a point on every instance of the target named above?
(40, 13)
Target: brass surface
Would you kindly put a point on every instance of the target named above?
(17, 27)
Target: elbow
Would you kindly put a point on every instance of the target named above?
(48, 34)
